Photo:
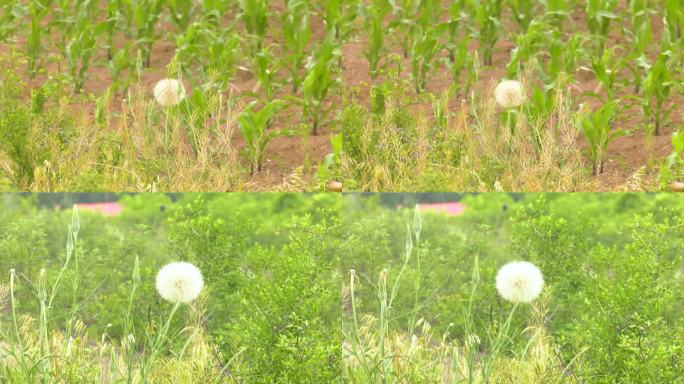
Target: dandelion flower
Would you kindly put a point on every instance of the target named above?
(179, 282)
(508, 94)
(169, 92)
(519, 282)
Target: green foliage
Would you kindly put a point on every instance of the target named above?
(270, 311)
(320, 78)
(611, 262)
(253, 125)
(597, 127)
(657, 86)
(297, 33)
(30, 135)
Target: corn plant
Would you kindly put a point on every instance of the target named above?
(674, 17)
(672, 166)
(425, 43)
(527, 45)
(211, 49)
(255, 16)
(641, 37)
(181, 12)
(457, 22)
(487, 17)
(338, 16)
(600, 13)
(321, 76)
(523, 12)
(110, 25)
(374, 16)
(80, 47)
(141, 18)
(606, 68)
(597, 127)
(329, 168)
(403, 12)
(37, 10)
(461, 61)
(296, 32)
(564, 57)
(265, 73)
(657, 86)
(8, 18)
(253, 127)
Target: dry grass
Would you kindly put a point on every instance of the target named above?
(423, 358)
(474, 152)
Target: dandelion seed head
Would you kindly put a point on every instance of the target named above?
(169, 92)
(509, 94)
(519, 282)
(179, 282)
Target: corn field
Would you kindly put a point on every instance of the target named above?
(374, 95)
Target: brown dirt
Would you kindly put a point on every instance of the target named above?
(285, 154)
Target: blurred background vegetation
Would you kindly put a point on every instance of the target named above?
(613, 266)
(269, 263)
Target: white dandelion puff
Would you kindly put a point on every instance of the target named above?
(519, 282)
(169, 92)
(179, 282)
(509, 94)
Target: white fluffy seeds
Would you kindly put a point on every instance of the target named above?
(509, 94)
(169, 92)
(179, 282)
(519, 282)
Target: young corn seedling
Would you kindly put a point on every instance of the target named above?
(338, 16)
(462, 59)
(265, 73)
(8, 19)
(597, 127)
(606, 68)
(110, 25)
(487, 15)
(564, 57)
(297, 33)
(37, 10)
(181, 12)
(423, 53)
(556, 10)
(455, 26)
(253, 125)
(538, 110)
(523, 12)
(332, 16)
(674, 17)
(599, 15)
(641, 38)
(329, 168)
(527, 45)
(80, 49)
(672, 167)
(141, 18)
(320, 78)
(404, 22)
(425, 44)
(657, 86)
(374, 16)
(214, 50)
(255, 16)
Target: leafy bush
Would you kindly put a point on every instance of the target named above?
(612, 266)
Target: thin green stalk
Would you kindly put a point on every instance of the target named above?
(146, 366)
